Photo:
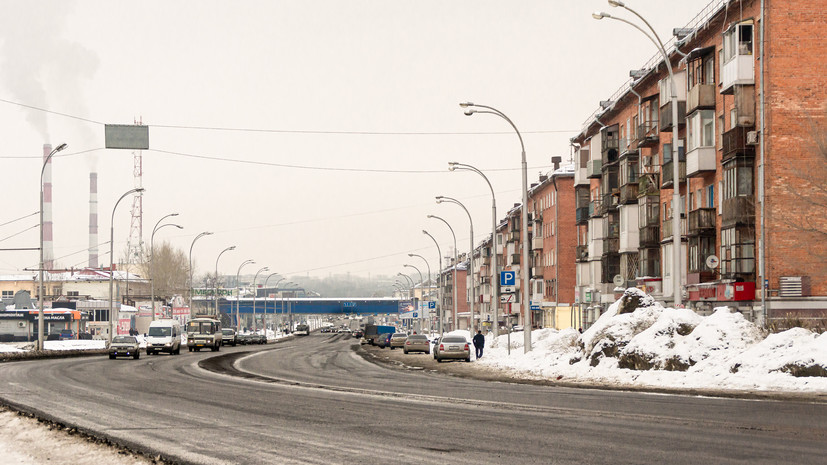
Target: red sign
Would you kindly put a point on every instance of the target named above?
(731, 292)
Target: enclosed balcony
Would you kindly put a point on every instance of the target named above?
(701, 97)
(702, 221)
(668, 174)
(514, 259)
(649, 185)
(738, 67)
(735, 144)
(611, 245)
(537, 272)
(610, 265)
(581, 253)
(738, 211)
(610, 145)
(593, 168)
(666, 115)
(667, 228)
(595, 208)
(536, 243)
(649, 236)
(582, 215)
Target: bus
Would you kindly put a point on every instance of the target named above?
(302, 329)
(203, 332)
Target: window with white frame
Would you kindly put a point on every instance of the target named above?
(701, 129)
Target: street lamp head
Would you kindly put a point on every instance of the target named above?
(617, 3)
(466, 104)
(178, 226)
(469, 112)
(410, 255)
(61, 147)
(232, 247)
(600, 15)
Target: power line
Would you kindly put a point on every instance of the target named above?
(21, 218)
(19, 233)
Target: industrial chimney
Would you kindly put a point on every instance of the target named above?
(48, 244)
(93, 220)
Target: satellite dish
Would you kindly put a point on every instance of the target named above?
(712, 262)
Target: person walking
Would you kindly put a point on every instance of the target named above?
(479, 343)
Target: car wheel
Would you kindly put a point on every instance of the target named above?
(404, 351)
(111, 357)
(189, 349)
(468, 360)
(427, 352)
(439, 360)
(137, 355)
(392, 347)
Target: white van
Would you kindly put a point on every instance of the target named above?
(164, 336)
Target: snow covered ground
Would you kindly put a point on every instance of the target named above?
(657, 347)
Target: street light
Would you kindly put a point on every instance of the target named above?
(676, 186)
(421, 290)
(410, 284)
(216, 279)
(40, 280)
(152, 259)
(205, 233)
(495, 283)
(255, 296)
(112, 257)
(439, 283)
(238, 292)
(454, 304)
(470, 272)
(429, 283)
(471, 110)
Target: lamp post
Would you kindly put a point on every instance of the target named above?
(421, 290)
(40, 280)
(472, 109)
(112, 258)
(676, 186)
(470, 272)
(410, 284)
(276, 286)
(265, 303)
(205, 233)
(439, 284)
(456, 259)
(429, 283)
(216, 279)
(255, 297)
(289, 307)
(152, 259)
(495, 283)
(238, 292)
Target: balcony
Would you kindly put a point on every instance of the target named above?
(610, 202)
(582, 215)
(735, 144)
(648, 185)
(702, 221)
(537, 272)
(593, 168)
(649, 236)
(610, 265)
(647, 134)
(739, 71)
(611, 245)
(666, 115)
(667, 228)
(700, 160)
(627, 147)
(610, 150)
(595, 208)
(701, 96)
(514, 259)
(513, 236)
(668, 174)
(628, 194)
(537, 243)
(581, 253)
(738, 211)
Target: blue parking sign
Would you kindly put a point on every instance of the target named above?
(508, 278)
(431, 304)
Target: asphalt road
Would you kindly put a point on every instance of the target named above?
(316, 400)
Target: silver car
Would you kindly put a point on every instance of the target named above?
(125, 346)
(417, 343)
(398, 340)
(452, 347)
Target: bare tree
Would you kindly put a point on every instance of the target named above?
(169, 272)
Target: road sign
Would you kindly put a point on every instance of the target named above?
(508, 278)
(508, 289)
(508, 298)
(416, 315)
(618, 280)
(432, 304)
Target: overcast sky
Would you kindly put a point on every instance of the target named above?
(313, 135)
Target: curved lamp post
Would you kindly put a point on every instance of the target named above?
(40, 280)
(676, 184)
(429, 283)
(216, 278)
(158, 226)
(238, 292)
(472, 109)
(421, 289)
(205, 233)
(470, 272)
(255, 297)
(495, 283)
(439, 283)
(112, 258)
(265, 301)
(456, 259)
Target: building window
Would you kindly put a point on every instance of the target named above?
(700, 247)
(72, 293)
(710, 196)
(701, 129)
(738, 41)
(8, 294)
(738, 180)
(737, 251)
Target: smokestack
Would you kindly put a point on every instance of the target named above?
(48, 244)
(556, 162)
(93, 220)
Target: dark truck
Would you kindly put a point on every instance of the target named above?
(373, 331)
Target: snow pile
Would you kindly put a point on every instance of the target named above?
(637, 342)
(75, 344)
(9, 348)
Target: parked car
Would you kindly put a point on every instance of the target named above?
(397, 340)
(417, 343)
(124, 346)
(244, 339)
(258, 338)
(452, 347)
(229, 337)
(383, 340)
(67, 334)
(358, 333)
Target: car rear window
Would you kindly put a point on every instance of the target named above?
(418, 338)
(453, 339)
(398, 335)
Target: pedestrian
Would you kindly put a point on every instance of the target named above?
(479, 343)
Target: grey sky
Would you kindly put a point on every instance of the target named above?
(359, 67)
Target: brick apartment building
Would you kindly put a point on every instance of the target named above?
(752, 101)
